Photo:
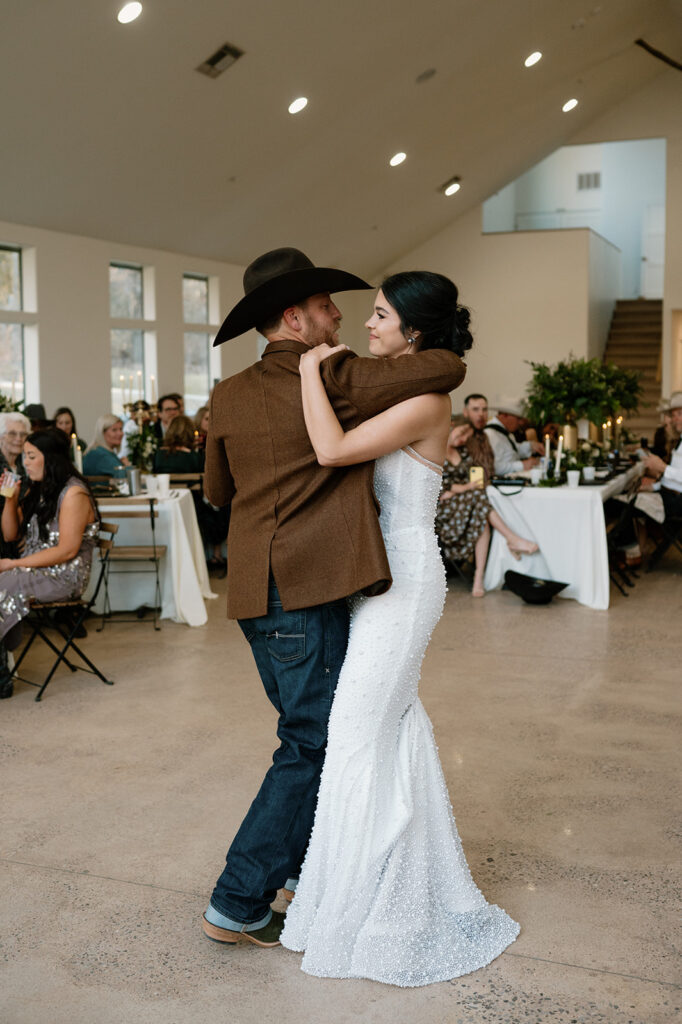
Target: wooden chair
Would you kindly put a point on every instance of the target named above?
(40, 619)
(129, 554)
(194, 481)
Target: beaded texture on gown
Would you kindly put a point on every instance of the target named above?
(385, 891)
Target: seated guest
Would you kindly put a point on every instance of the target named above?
(102, 458)
(65, 420)
(663, 478)
(168, 408)
(666, 437)
(58, 521)
(510, 455)
(37, 415)
(177, 454)
(201, 426)
(465, 515)
(478, 445)
(14, 429)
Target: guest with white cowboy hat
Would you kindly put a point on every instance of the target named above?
(511, 456)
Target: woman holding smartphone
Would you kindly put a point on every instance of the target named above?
(465, 515)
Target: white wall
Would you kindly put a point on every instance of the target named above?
(547, 196)
(535, 296)
(656, 112)
(72, 304)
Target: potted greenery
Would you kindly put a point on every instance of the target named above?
(578, 389)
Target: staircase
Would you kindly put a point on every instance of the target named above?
(634, 343)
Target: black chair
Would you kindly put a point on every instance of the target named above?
(134, 508)
(41, 618)
(671, 536)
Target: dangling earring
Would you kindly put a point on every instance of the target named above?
(410, 341)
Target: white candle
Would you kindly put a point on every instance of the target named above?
(557, 464)
(546, 450)
(131, 389)
(76, 454)
(153, 391)
(139, 384)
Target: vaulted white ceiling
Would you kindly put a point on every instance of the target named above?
(109, 131)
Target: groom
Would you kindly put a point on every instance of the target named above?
(302, 538)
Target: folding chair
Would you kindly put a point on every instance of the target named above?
(671, 536)
(39, 620)
(193, 481)
(128, 555)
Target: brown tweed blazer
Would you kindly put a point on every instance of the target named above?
(316, 528)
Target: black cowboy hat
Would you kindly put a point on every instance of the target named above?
(277, 280)
(532, 589)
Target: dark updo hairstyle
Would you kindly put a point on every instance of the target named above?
(427, 302)
(43, 495)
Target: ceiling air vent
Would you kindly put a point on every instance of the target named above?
(221, 60)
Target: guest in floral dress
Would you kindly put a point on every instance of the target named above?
(465, 515)
(59, 521)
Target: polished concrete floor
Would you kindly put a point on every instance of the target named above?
(557, 729)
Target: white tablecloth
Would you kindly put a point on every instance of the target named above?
(568, 525)
(182, 571)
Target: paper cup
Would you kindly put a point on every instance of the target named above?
(535, 475)
(588, 472)
(163, 485)
(573, 477)
(149, 482)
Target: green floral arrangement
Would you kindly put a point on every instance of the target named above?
(577, 389)
(9, 405)
(142, 446)
(588, 453)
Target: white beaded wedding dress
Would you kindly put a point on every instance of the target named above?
(385, 891)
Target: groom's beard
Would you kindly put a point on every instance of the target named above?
(322, 333)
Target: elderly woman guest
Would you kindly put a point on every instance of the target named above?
(102, 458)
(14, 429)
(65, 421)
(58, 520)
(465, 515)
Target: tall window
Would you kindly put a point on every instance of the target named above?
(195, 305)
(11, 325)
(126, 307)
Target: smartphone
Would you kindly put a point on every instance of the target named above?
(477, 476)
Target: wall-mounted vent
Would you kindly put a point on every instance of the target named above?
(589, 180)
(221, 60)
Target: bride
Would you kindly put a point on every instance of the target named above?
(385, 891)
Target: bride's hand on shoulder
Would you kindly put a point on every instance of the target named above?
(311, 359)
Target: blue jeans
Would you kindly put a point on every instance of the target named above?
(299, 656)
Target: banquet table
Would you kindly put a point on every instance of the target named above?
(568, 525)
(182, 571)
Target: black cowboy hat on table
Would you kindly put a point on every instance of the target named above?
(532, 589)
(277, 280)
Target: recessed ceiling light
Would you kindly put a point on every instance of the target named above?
(451, 186)
(532, 58)
(298, 104)
(451, 189)
(397, 159)
(569, 105)
(129, 12)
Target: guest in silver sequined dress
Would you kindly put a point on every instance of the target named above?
(59, 523)
(385, 891)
